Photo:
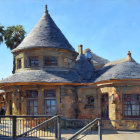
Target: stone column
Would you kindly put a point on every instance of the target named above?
(23, 103)
(14, 103)
(8, 98)
(69, 104)
(58, 96)
(41, 101)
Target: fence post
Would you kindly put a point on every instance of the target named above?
(59, 127)
(14, 127)
(56, 129)
(99, 130)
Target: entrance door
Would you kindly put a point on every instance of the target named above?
(104, 106)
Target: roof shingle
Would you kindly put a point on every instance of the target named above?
(45, 34)
(44, 76)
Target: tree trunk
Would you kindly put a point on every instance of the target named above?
(14, 65)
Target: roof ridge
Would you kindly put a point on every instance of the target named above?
(127, 59)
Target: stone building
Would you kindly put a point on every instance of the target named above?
(52, 78)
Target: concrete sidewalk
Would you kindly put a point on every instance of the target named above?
(107, 135)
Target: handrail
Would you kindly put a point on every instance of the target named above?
(38, 126)
(87, 127)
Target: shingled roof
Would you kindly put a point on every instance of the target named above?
(95, 58)
(83, 67)
(128, 69)
(43, 76)
(45, 34)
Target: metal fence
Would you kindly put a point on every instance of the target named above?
(45, 126)
(13, 126)
(6, 124)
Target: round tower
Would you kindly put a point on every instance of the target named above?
(44, 73)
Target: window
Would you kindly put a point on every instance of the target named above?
(33, 61)
(18, 63)
(32, 102)
(90, 102)
(50, 61)
(131, 105)
(67, 62)
(50, 102)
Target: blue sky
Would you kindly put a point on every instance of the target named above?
(108, 27)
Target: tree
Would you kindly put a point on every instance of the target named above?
(13, 36)
(1, 33)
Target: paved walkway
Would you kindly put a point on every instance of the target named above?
(107, 135)
(110, 135)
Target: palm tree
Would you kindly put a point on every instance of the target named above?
(1, 33)
(13, 36)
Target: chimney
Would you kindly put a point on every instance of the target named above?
(80, 49)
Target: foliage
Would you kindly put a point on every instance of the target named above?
(1, 33)
(13, 36)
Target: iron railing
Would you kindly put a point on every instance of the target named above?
(88, 126)
(6, 129)
(29, 126)
(45, 126)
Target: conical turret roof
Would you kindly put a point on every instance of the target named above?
(45, 34)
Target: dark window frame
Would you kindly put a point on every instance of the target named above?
(33, 61)
(50, 61)
(19, 64)
(31, 99)
(50, 97)
(129, 101)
